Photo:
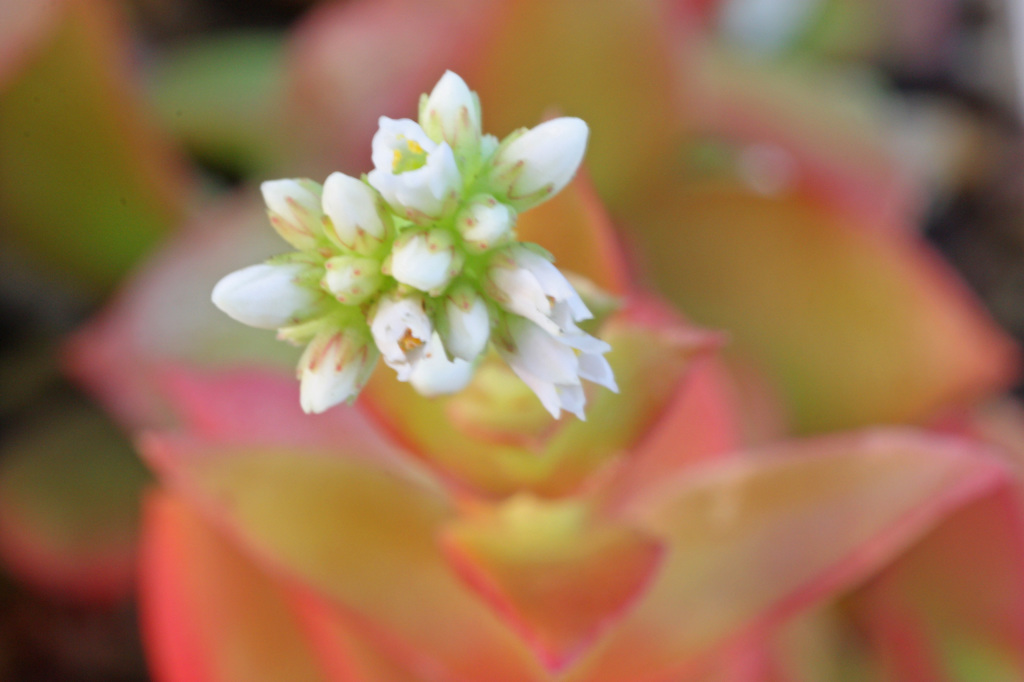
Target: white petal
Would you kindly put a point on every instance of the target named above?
(545, 390)
(519, 292)
(469, 330)
(265, 296)
(547, 157)
(334, 368)
(572, 399)
(541, 354)
(352, 279)
(594, 367)
(451, 112)
(436, 375)
(276, 194)
(552, 281)
(400, 329)
(484, 222)
(389, 137)
(422, 262)
(352, 206)
(421, 194)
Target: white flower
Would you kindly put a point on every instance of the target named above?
(267, 296)
(485, 222)
(452, 113)
(335, 367)
(352, 279)
(536, 165)
(527, 284)
(425, 260)
(418, 262)
(436, 375)
(417, 176)
(400, 328)
(293, 206)
(359, 220)
(552, 369)
(464, 323)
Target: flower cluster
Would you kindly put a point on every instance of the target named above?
(418, 262)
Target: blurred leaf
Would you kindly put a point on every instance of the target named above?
(69, 484)
(610, 62)
(351, 530)
(88, 185)
(562, 576)
(165, 317)
(953, 606)
(209, 614)
(223, 96)
(23, 25)
(755, 539)
(352, 62)
(857, 323)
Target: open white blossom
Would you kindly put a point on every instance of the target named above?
(416, 176)
(436, 375)
(401, 328)
(418, 263)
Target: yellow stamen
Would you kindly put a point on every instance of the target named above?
(408, 342)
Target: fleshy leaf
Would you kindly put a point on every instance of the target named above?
(340, 54)
(71, 127)
(698, 425)
(560, 575)
(68, 505)
(209, 614)
(755, 539)
(583, 58)
(953, 606)
(803, 129)
(650, 356)
(164, 315)
(24, 25)
(223, 96)
(856, 324)
(344, 650)
(357, 532)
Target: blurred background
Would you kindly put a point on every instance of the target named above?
(120, 122)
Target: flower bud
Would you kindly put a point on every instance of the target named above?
(267, 296)
(536, 165)
(426, 260)
(335, 367)
(451, 113)
(436, 375)
(293, 206)
(359, 219)
(400, 328)
(464, 323)
(352, 279)
(485, 222)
